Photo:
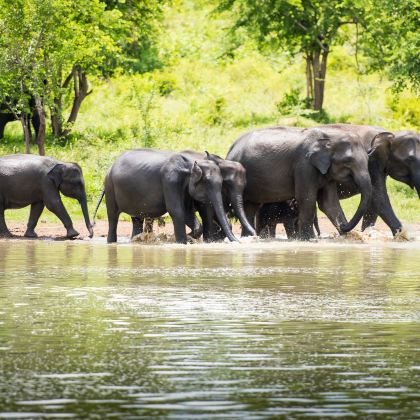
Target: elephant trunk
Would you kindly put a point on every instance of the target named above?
(83, 205)
(238, 207)
(364, 184)
(217, 202)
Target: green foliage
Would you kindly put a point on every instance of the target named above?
(295, 25)
(207, 100)
(392, 40)
(137, 34)
(291, 102)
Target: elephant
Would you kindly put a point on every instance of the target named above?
(286, 212)
(7, 116)
(234, 181)
(149, 182)
(282, 163)
(396, 154)
(37, 181)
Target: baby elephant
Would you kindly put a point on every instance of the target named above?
(286, 212)
(148, 183)
(37, 181)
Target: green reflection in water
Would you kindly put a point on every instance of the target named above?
(261, 330)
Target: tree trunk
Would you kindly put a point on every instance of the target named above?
(81, 90)
(309, 81)
(57, 117)
(319, 66)
(40, 138)
(26, 134)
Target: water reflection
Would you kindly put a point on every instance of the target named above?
(257, 330)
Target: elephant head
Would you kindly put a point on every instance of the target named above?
(342, 158)
(205, 185)
(68, 178)
(234, 182)
(399, 156)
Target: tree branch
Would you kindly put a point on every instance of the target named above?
(68, 79)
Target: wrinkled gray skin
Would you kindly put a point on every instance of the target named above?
(269, 215)
(234, 181)
(37, 181)
(396, 155)
(282, 163)
(149, 183)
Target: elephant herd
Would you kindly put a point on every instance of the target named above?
(270, 175)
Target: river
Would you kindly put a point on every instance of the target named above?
(253, 330)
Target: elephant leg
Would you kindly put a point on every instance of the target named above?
(272, 229)
(56, 206)
(113, 214)
(36, 122)
(36, 210)
(4, 119)
(4, 231)
(382, 206)
(2, 126)
(173, 193)
(210, 231)
(263, 222)
(148, 225)
(369, 219)
(290, 226)
(137, 226)
(250, 213)
(178, 220)
(194, 224)
(306, 198)
(329, 203)
(191, 219)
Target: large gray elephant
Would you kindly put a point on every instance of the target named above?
(282, 163)
(37, 181)
(149, 183)
(396, 155)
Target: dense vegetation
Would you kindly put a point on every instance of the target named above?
(195, 82)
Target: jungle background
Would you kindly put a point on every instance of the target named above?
(120, 74)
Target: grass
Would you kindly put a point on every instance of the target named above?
(204, 102)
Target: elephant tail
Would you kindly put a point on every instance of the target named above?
(97, 207)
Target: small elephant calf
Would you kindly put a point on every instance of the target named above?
(286, 212)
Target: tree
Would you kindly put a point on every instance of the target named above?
(309, 27)
(20, 78)
(49, 48)
(138, 35)
(391, 40)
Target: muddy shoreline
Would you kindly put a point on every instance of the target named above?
(56, 231)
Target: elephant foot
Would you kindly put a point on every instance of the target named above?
(111, 239)
(5, 234)
(72, 233)
(30, 234)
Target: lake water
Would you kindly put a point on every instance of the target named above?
(258, 330)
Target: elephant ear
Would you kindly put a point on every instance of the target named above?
(381, 145)
(56, 174)
(320, 155)
(196, 173)
(216, 159)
